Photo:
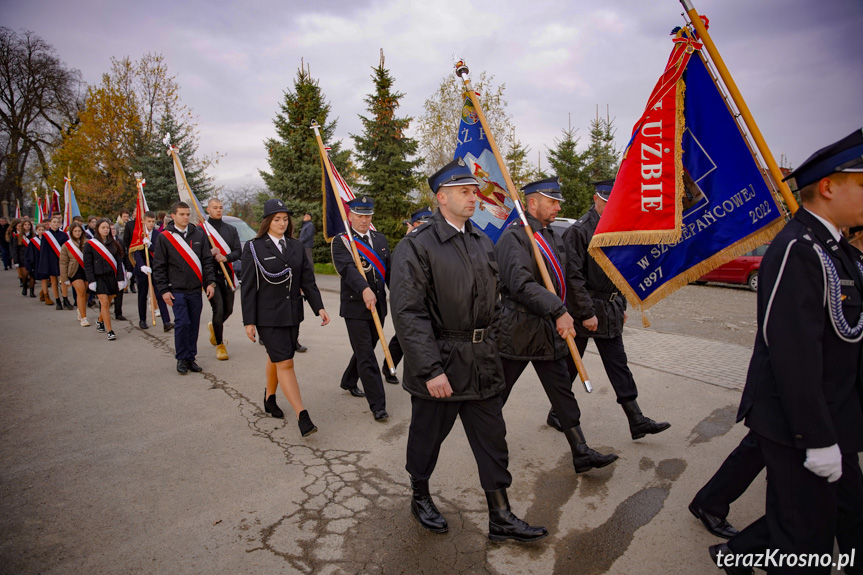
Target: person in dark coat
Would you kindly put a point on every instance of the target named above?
(275, 267)
(21, 246)
(227, 238)
(535, 322)
(31, 257)
(599, 311)
(446, 309)
(106, 275)
(5, 254)
(359, 294)
(182, 267)
(142, 271)
(803, 399)
(48, 267)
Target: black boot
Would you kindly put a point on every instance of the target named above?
(271, 407)
(583, 457)
(503, 524)
(639, 426)
(23, 290)
(67, 304)
(32, 294)
(305, 423)
(58, 304)
(423, 508)
(553, 421)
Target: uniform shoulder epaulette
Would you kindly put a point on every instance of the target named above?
(580, 220)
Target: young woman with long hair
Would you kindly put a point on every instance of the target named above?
(72, 271)
(103, 265)
(24, 231)
(31, 259)
(275, 268)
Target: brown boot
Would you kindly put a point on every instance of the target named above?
(48, 300)
(221, 352)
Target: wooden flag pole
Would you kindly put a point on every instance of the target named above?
(173, 152)
(152, 298)
(462, 72)
(316, 127)
(704, 36)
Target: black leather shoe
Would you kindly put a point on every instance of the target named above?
(583, 457)
(58, 304)
(355, 391)
(723, 553)
(381, 415)
(120, 317)
(190, 363)
(67, 304)
(503, 524)
(168, 326)
(388, 377)
(553, 421)
(301, 348)
(423, 508)
(716, 525)
(305, 423)
(182, 367)
(639, 425)
(271, 407)
(143, 324)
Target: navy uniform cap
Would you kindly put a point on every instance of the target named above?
(456, 173)
(549, 187)
(274, 206)
(421, 215)
(362, 206)
(846, 155)
(603, 188)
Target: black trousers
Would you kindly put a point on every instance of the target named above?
(118, 304)
(364, 364)
(144, 304)
(733, 477)
(396, 350)
(804, 513)
(555, 380)
(431, 422)
(222, 303)
(613, 360)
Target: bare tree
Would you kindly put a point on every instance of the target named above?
(39, 99)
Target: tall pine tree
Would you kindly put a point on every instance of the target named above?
(601, 157)
(568, 164)
(388, 167)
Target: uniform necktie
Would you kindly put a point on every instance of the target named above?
(282, 245)
(365, 239)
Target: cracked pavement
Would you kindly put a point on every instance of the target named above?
(114, 463)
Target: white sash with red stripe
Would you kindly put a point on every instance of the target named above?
(25, 239)
(186, 252)
(76, 253)
(53, 242)
(105, 253)
(37, 241)
(222, 245)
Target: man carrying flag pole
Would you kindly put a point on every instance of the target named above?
(226, 250)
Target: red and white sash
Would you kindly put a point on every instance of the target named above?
(53, 242)
(37, 241)
(223, 247)
(25, 239)
(76, 253)
(105, 253)
(186, 252)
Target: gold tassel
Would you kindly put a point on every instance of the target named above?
(644, 321)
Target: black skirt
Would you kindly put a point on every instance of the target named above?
(106, 284)
(79, 275)
(279, 341)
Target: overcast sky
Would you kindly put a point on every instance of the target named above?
(798, 63)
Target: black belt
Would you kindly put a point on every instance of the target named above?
(606, 296)
(473, 336)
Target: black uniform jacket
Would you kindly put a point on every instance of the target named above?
(170, 270)
(96, 265)
(232, 237)
(804, 388)
(138, 255)
(529, 312)
(439, 283)
(589, 291)
(353, 283)
(277, 304)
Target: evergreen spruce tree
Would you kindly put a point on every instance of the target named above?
(388, 167)
(568, 164)
(601, 158)
(518, 164)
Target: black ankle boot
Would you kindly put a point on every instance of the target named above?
(32, 293)
(553, 421)
(639, 425)
(271, 407)
(58, 304)
(23, 290)
(305, 423)
(67, 304)
(583, 457)
(503, 524)
(423, 508)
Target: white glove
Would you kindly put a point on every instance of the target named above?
(825, 462)
(121, 285)
(92, 286)
(128, 277)
(146, 241)
(146, 270)
(67, 282)
(16, 266)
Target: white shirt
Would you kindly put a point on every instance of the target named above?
(183, 231)
(276, 241)
(368, 234)
(460, 229)
(834, 231)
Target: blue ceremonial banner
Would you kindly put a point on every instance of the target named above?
(494, 210)
(728, 206)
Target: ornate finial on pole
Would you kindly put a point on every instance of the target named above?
(461, 69)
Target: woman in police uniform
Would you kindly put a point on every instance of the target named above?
(274, 269)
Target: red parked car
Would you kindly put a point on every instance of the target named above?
(741, 270)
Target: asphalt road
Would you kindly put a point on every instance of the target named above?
(111, 462)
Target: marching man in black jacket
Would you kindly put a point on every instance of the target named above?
(535, 321)
(599, 310)
(446, 311)
(803, 399)
(182, 266)
(359, 293)
(227, 251)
